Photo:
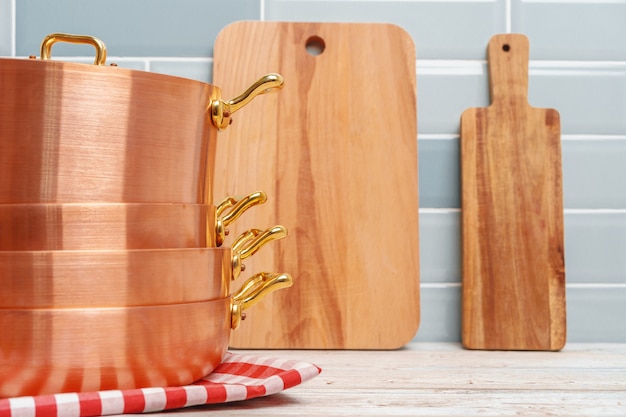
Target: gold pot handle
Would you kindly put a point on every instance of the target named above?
(221, 111)
(248, 243)
(252, 291)
(235, 209)
(48, 41)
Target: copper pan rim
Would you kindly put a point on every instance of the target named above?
(97, 226)
(87, 142)
(76, 350)
(88, 133)
(113, 278)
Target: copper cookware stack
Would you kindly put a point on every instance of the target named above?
(113, 264)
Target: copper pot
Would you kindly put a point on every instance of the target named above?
(73, 132)
(116, 278)
(68, 279)
(47, 351)
(89, 226)
(33, 227)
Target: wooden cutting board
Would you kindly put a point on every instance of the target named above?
(336, 152)
(513, 253)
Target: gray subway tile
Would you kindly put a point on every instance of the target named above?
(594, 171)
(440, 29)
(590, 100)
(439, 172)
(129, 63)
(199, 70)
(595, 247)
(151, 28)
(6, 27)
(445, 90)
(440, 246)
(596, 314)
(572, 30)
(440, 314)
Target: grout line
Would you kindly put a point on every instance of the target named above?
(438, 136)
(594, 211)
(586, 285)
(595, 285)
(173, 59)
(566, 137)
(437, 210)
(542, 63)
(593, 137)
(262, 14)
(444, 210)
(141, 58)
(440, 284)
(533, 63)
(426, 66)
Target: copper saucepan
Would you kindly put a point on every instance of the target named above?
(88, 226)
(48, 351)
(72, 132)
(29, 227)
(116, 278)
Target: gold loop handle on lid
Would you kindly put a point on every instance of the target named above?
(48, 41)
(221, 111)
(252, 291)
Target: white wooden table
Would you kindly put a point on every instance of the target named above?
(446, 380)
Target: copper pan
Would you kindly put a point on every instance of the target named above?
(116, 278)
(48, 351)
(105, 226)
(89, 226)
(72, 132)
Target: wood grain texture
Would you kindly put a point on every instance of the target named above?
(513, 252)
(336, 153)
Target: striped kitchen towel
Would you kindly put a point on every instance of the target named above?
(238, 377)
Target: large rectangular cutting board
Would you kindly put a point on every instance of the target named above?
(336, 152)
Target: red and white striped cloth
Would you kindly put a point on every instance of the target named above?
(238, 377)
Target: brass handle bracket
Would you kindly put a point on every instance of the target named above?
(222, 111)
(248, 243)
(231, 209)
(252, 291)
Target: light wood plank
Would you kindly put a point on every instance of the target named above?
(513, 251)
(446, 380)
(336, 153)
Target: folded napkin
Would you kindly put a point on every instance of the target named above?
(238, 377)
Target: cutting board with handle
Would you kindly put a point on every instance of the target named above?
(512, 211)
(336, 153)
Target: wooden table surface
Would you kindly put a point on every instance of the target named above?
(426, 379)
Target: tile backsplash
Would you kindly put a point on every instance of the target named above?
(578, 66)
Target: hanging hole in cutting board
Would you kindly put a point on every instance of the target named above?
(506, 47)
(315, 45)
